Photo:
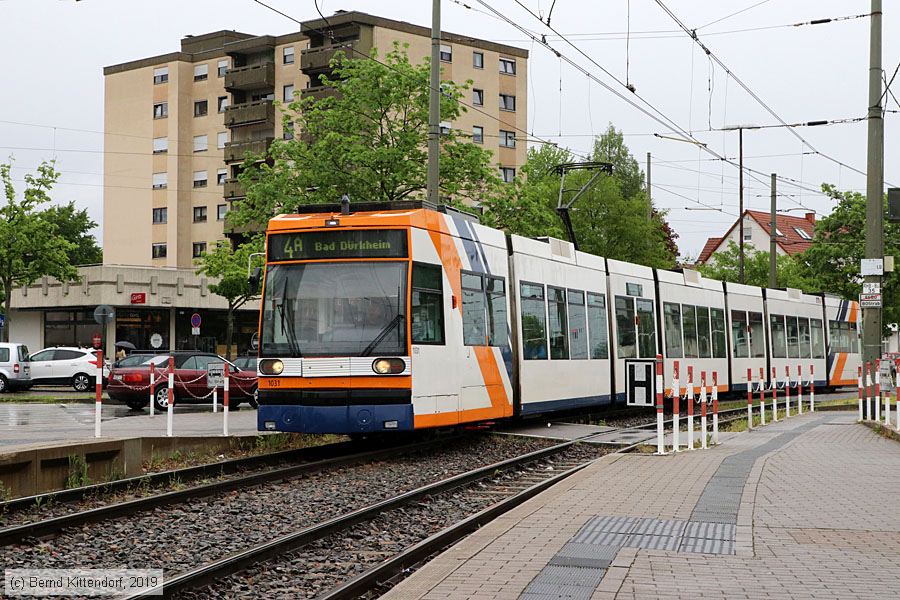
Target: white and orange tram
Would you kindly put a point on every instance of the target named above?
(403, 317)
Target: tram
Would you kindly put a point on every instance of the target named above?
(406, 317)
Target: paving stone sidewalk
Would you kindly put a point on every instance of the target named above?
(804, 508)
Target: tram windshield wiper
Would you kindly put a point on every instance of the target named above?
(381, 335)
(289, 329)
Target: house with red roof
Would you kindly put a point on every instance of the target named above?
(793, 234)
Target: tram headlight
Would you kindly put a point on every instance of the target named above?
(388, 366)
(271, 366)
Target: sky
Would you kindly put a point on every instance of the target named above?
(52, 81)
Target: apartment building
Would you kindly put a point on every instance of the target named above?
(177, 126)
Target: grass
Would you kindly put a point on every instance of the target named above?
(78, 472)
(42, 399)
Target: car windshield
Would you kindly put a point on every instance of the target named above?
(134, 360)
(335, 309)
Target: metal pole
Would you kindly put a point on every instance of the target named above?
(434, 106)
(649, 193)
(773, 229)
(741, 202)
(874, 185)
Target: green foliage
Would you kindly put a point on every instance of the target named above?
(78, 472)
(368, 140)
(75, 225)
(228, 265)
(31, 245)
(790, 271)
(613, 219)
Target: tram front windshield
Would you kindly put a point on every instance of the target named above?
(334, 309)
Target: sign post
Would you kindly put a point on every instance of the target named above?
(195, 327)
(215, 378)
(98, 386)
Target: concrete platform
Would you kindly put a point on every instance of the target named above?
(804, 508)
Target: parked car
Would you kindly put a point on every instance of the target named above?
(15, 372)
(128, 382)
(66, 365)
(246, 363)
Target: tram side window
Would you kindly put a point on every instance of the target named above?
(740, 347)
(703, 331)
(427, 305)
(690, 330)
(578, 338)
(534, 322)
(626, 341)
(556, 312)
(818, 341)
(672, 324)
(474, 333)
(853, 336)
(757, 335)
(646, 329)
(779, 340)
(496, 311)
(719, 341)
(803, 330)
(793, 345)
(597, 326)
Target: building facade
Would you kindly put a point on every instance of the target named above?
(177, 126)
(793, 234)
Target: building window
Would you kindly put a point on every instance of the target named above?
(288, 93)
(477, 97)
(446, 126)
(160, 110)
(198, 249)
(199, 180)
(507, 66)
(201, 143)
(478, 134)
(159, 250)
(427, 304)
(507, 102)
(507, 139)
(222, 67)
(221, 176)
(222, 104)
(199, 214)
(221, 211)
(201, 108)
(160, 215)
(446, 53)
(508, 174)
(748, 234)
(288, 133)
(201, 72)
(160, 145)
(478, 60)
(778, 233)
(160, 75)
(160, 181)
(288, 55)
(221, 139)
(802, 233)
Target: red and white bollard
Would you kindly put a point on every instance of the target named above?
(812, 388)
(859, 386)
(216, 399)
(690, 407)
(877, 390)
(715, 401)
(170, 410)
(225, 402)
(152, 387)
(660, 432)
(98, 405)
(897, 392)
(762, 396)
(749, 399)
(774, 394)
(799, 390)
(703, 444)
(787, 391)
(676, 416)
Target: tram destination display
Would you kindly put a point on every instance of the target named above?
(360, 243)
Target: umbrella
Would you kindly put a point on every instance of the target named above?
(126, 345)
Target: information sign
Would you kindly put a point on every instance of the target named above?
(337, 243)
(871, 288)
(156, 340)
(215, 375)
(871, 266)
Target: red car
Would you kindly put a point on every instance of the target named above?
(129, 380)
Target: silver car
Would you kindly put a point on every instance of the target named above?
(15, 369)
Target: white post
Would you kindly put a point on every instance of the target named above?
(703, 443)
(225, 402)
(762, 398)
(715, 401)
(877, 392)
(812, 389)
(787, 391)
(216, 399)
(98, 405)
(152, 387)
(171, 399)
(859, 387)
(690, 407)
(799, 390)
(774, 395)
(660, 393)
(676, 416)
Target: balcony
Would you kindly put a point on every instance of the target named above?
(318, 92)
(249, 113)
(235, 151)
(233, 190)
(251, 77)
(318, 60)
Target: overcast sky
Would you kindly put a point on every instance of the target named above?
(52, 84)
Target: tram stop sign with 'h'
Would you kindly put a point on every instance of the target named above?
(215, 375)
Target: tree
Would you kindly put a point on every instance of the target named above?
(839, 244)
(790, 271)
(30, 244)
(229, 266)
(614, 218)
(367, 139)
(75, 226)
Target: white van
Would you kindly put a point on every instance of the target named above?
(15, 368)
